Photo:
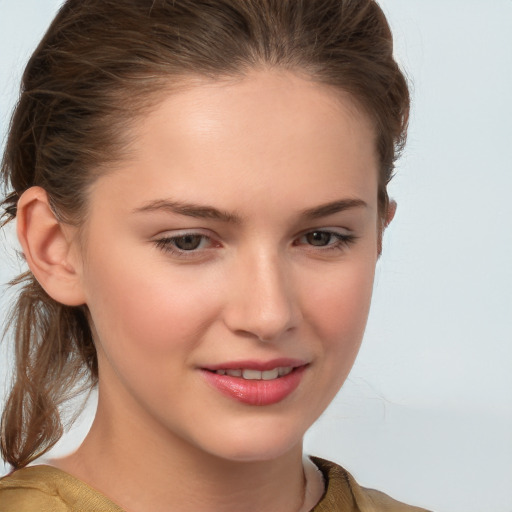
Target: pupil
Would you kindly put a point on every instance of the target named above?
(188, 242)
(318, 238)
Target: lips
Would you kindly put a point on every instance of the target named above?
(256, 383)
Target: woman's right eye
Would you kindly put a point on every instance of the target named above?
(184, 243)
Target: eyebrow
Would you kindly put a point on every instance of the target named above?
(209, 212)
(190, 210)
(333, 207)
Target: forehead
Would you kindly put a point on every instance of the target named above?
(266, 135)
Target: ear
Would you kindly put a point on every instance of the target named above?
(49, 248)
(390, 215)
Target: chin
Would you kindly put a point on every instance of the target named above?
(260, 453)
(257, 444)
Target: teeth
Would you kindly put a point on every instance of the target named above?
(248, 374)
(251, 374)
(270, 374)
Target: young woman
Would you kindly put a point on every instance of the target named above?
(200, 194)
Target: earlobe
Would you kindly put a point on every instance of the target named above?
(49, 248)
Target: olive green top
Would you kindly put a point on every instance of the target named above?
(48, 489)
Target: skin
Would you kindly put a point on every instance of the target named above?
(263, 149)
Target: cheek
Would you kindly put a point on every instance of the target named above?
(340, 305)
(339, 311)
(147, 308)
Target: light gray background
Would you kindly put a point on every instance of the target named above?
(427, 412)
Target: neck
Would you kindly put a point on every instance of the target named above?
(141, 469)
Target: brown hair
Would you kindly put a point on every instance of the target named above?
(101, 65)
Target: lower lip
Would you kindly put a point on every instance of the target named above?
(256, 392)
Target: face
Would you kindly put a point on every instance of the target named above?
(229, 263)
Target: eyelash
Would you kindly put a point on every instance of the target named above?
(167, 244)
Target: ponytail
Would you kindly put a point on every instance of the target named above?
(54, 360)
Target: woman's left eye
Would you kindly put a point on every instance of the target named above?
(325, 239)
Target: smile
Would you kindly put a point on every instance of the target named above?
(249, 374)
(267, 385)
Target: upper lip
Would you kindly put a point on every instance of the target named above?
(257, 365)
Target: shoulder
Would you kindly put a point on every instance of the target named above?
(48, 489)
(344, 494)
(30, 490)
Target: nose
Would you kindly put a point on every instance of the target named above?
(262, 302)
